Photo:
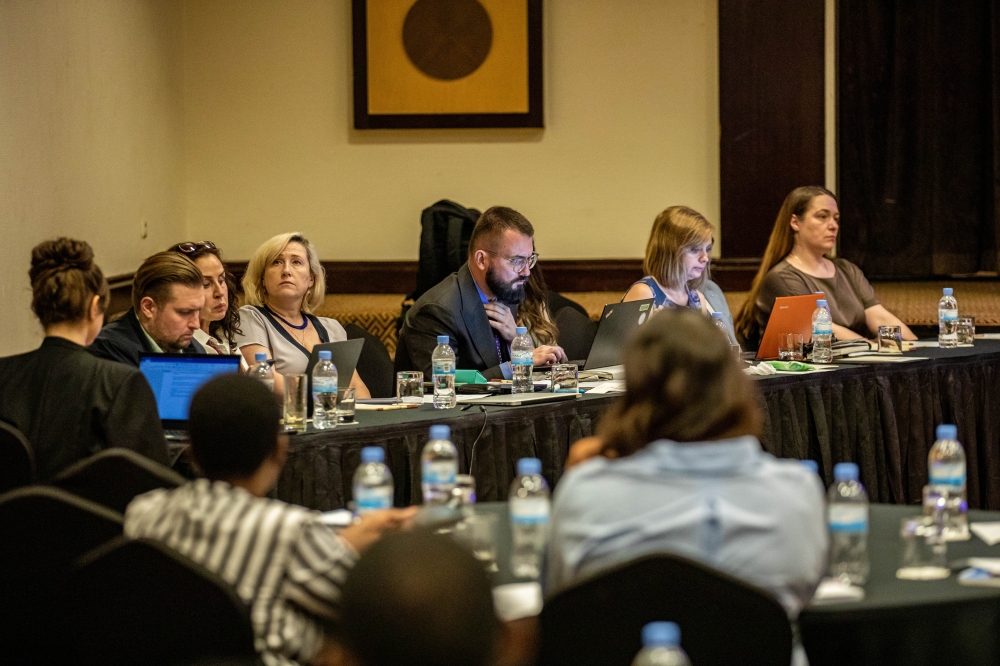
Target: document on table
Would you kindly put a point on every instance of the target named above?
(517, 600)
(612, 386)
(988, 532)
(831, 591)
(881, 358)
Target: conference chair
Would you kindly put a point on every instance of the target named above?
(113, 477)
(17, 460)
(42, 531)
(576, 333)
(723, 621)
(375, 365)
(140, 602)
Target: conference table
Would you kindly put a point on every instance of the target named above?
(880, 415)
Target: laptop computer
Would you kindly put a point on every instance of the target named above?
(344, 354)
(175, 378)
(790, 314)
(618, 320)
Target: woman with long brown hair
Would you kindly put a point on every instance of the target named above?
(797, 261)
(677, 468)
(220, 318)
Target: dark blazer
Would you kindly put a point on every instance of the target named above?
(453, 308)
(123, 340)
(71, 405)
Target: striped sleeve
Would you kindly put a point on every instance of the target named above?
(317, 568)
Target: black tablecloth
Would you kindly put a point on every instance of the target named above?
(881, 416)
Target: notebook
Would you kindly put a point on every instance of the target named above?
(618, 320)
(175, 378)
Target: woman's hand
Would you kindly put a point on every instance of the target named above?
(501, 319)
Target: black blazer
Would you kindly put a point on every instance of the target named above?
(453, 308)
(123, 340)
(71, 405)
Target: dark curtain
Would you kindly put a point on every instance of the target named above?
(918, 112)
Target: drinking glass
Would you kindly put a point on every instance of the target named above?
(790, 347)
(925, 553)
(890, 340)
(295, 402)
(565, 378)
(346, 405)
(478, 533)
(410, 387)
(966, 330)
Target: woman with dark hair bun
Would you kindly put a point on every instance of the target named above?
(68, 403)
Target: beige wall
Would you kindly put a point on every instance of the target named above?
(631, 98)
(90, 137)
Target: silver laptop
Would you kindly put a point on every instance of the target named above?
(518, 399)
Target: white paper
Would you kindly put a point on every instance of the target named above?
(337, 518)
(988, 336)
(461, 397)
(832, 590)
(922, 344)
(882, 358)
(988, 532)
(517, 600)
(612, 386)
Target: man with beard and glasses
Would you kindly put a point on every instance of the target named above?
(477, 306)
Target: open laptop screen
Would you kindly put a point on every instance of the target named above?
(174, 379)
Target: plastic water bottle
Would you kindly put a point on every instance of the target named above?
(946, 469)
(847, 516)
(372, 482)
(822, 337)
(947, 320)
(522, 361)
(324, 390)
(439, 466)
(443, 373)
(810, 465)
(261, 370)
(661, 646)
(529, 518)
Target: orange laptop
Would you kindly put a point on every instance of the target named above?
(791, 314)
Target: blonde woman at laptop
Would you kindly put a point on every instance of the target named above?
(797, 262)
(283, 284)
(677, 265)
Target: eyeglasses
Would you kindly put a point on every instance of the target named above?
(518, 263)
(191, 248)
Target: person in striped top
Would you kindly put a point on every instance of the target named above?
(281, 560)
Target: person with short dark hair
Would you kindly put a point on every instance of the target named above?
(67, 403)
(476, 307)
(421, 600)
(285, 563)
(167, 298)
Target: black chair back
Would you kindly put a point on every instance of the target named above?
(723, 621)
(17, 460)
(140, 602)
(576, 333)
(42, 531)
(113, 477)
(375, 364)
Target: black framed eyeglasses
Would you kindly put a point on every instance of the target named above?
(518, 263)
(191, 248)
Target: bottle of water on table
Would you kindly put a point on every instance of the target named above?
(947, 479)
(847, 516)
(372, 482)
(661, 646)
(261, 371)
(947, 320)
(822, 337)
(439, 466)
(324, 390)
(522, 361)
(443, 374)
(529, 518)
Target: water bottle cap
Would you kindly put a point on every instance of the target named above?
(443, 339)
(947, 431)
(260, 357)
(948, 291)
(521, 330)
(845, 472)
(325, 355)
(440, 432)
(372, 454)
(811, 465)
(821, 303)
(527, 466)
(661, 634)
(716, 315)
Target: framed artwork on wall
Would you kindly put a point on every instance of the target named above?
(447, 63)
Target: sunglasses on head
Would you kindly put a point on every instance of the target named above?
(191, 248)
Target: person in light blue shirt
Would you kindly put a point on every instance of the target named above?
(677, 468)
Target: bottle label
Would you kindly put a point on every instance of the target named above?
(439, 473)
(443, 368)
(851, 518)
(947, 474)
(529, 511)
(822, 329)
(521, 358)
(948, 315)
(372, 499)
(324, 384)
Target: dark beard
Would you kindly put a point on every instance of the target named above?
(508, 293)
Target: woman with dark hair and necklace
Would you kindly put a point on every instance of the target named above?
(283, 284)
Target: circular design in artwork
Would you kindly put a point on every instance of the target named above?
(447, 39)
